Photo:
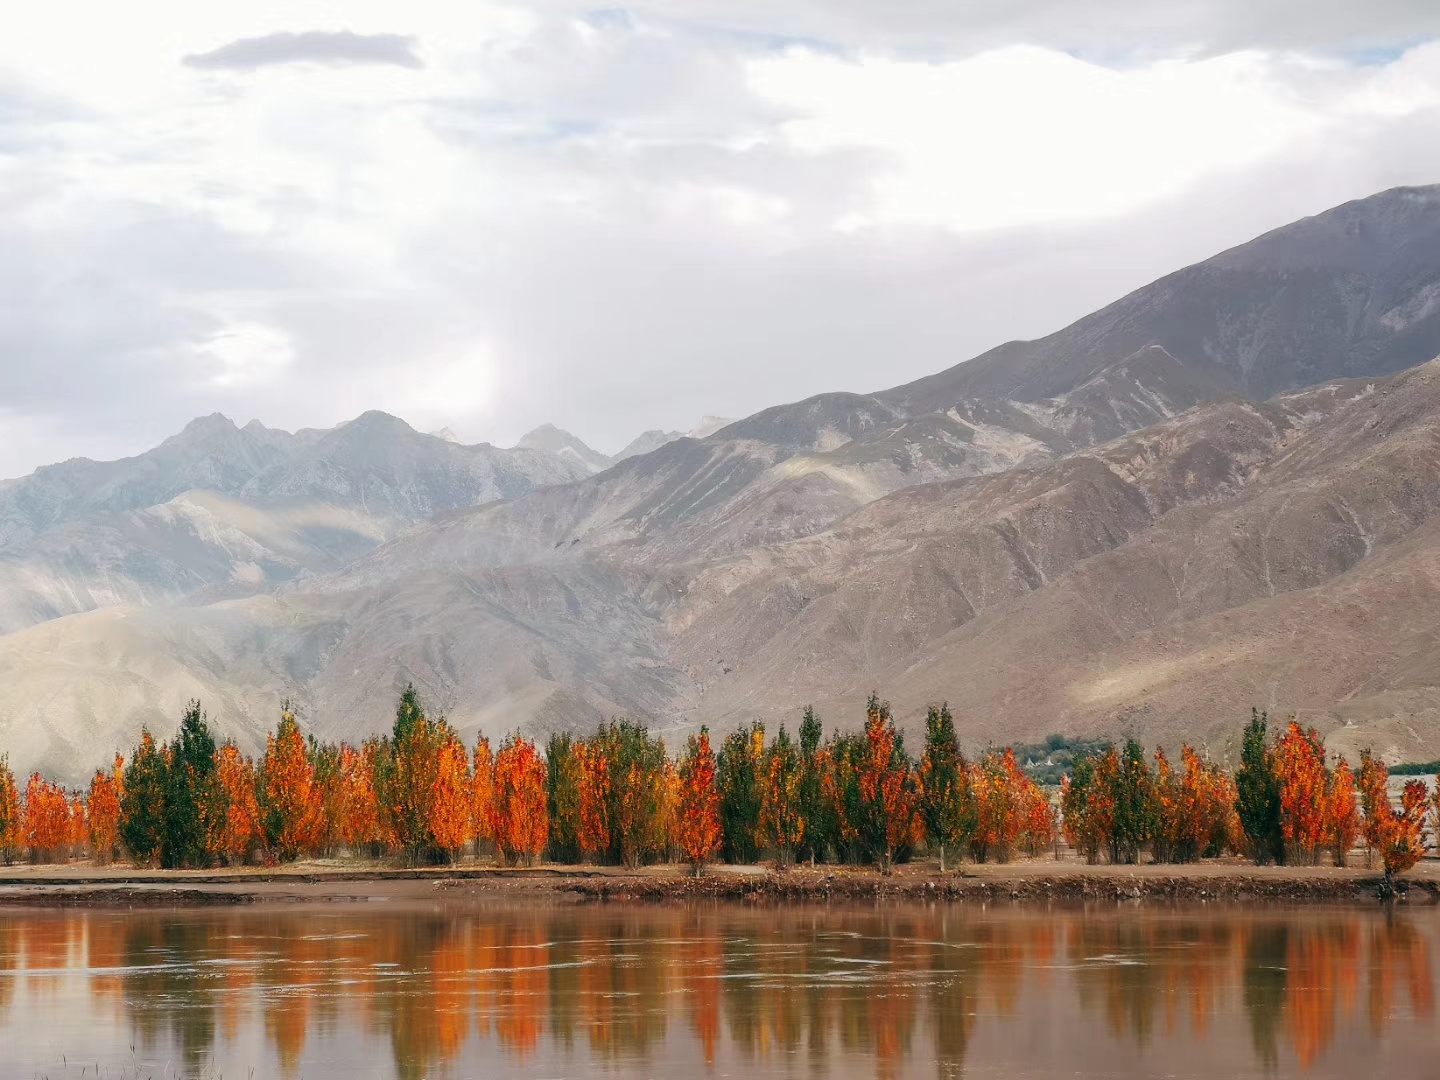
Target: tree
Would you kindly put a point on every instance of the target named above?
(1342, 814)
(359, 808)
(1087, 826)
(482, 793)
(11, 819)
(738, 775)
(781, 824)
(1373, 782)
(699, 805)
(887, 789)
(289, 803)
(521, 823)
(104, 806)
(1135, 813)
(47, 820)
(947, 804)
(451, 801)
(329, 793)
(240, 829)
(1304, 782)
(814, 807)
(405, 777)
(592, 771)
(562, 795)
(1403, 834)
(1258, 793)
(193, 797)
(142, 802)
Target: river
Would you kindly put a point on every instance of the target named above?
(542, 990)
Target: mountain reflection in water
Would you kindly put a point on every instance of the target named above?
(564, 991)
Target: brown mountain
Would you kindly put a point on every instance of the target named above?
(1097, 532)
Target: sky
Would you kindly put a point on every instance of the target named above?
(488, 216)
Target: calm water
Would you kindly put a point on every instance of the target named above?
(534, 991)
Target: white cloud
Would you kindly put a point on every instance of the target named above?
(622, 223)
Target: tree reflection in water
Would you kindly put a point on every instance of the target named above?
(898, 987)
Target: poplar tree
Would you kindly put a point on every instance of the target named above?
(947, 805)
(1258, 792)
(562, 797)
(1134, 802)
(814, 807)
(193, 794)
(142, 804)
(739, 783)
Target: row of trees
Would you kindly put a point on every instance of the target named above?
(618, 797)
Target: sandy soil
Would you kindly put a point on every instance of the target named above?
(1027, 880)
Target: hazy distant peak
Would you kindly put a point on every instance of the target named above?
(647, 441)
(556, 440)
(709, 425)
(375, 420)
(446, 435)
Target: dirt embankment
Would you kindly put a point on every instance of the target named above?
(1031, 881)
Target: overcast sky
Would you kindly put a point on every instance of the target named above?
(488, 216)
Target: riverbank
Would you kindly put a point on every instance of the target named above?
(1027, 881)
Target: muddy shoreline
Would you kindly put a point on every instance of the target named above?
(1035, 881)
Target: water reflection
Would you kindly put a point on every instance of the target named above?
(888, 993)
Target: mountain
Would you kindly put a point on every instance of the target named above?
(562, 444)
(1219, 491)
(220, 510)
(647, 441)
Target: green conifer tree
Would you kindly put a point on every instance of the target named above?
(1257, 799)
(142, 805)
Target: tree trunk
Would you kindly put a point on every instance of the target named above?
(942, 858)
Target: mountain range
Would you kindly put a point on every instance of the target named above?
(1218, 491)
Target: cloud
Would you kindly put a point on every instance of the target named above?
(311, 47)
(620, 222)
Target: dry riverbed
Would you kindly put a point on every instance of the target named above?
(1029, 880)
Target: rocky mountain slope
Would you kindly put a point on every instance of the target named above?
(1147, 522)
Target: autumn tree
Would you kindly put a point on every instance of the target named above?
(698, 812)
(562, 798)
(79, 824)
(482, 793)
(104, 807)
(240, 829)
(405, 777)
(1135, 814)
(947, 804)
(1304, 782)
(192, 793)
(1373, 783)
(887, 788)
(814, 806)
(359, 808)
(452, 797)
(329, 792)
(840, 764)
(592, 772)
(142, 802)
(622, 780)
(521, 823)
(1403, 833)
(1083, 809)
(740, 783)
(11, 815)
(1258, 793)
(289, 804)
(781, 825)
(47, 820)
(1342, 812)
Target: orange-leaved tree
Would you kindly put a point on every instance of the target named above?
(1300, 766)
(1373, 783)
(521, 823)
(290, 809)
(887, 788)
(359, 810)
(104, 806)
(12, 835)
(698, 825)
(240, 828)
(1342, 812)
(79, 824)
(482, 793)
(47, 820)
(593, 766)
(1403, 833)
(781, 825)
(451, 800)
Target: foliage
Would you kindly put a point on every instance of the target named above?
(142, 802)
(699, 803)
(240, 830)
(562, 798)
(781, 824)
(104, 811)
(289, 803)
(47, 819)
(12, 839)
(947, 804)
(521, 821)
(452, 796)
(814, 808)
(192, 795)
(1258, 793)
(739, 779)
